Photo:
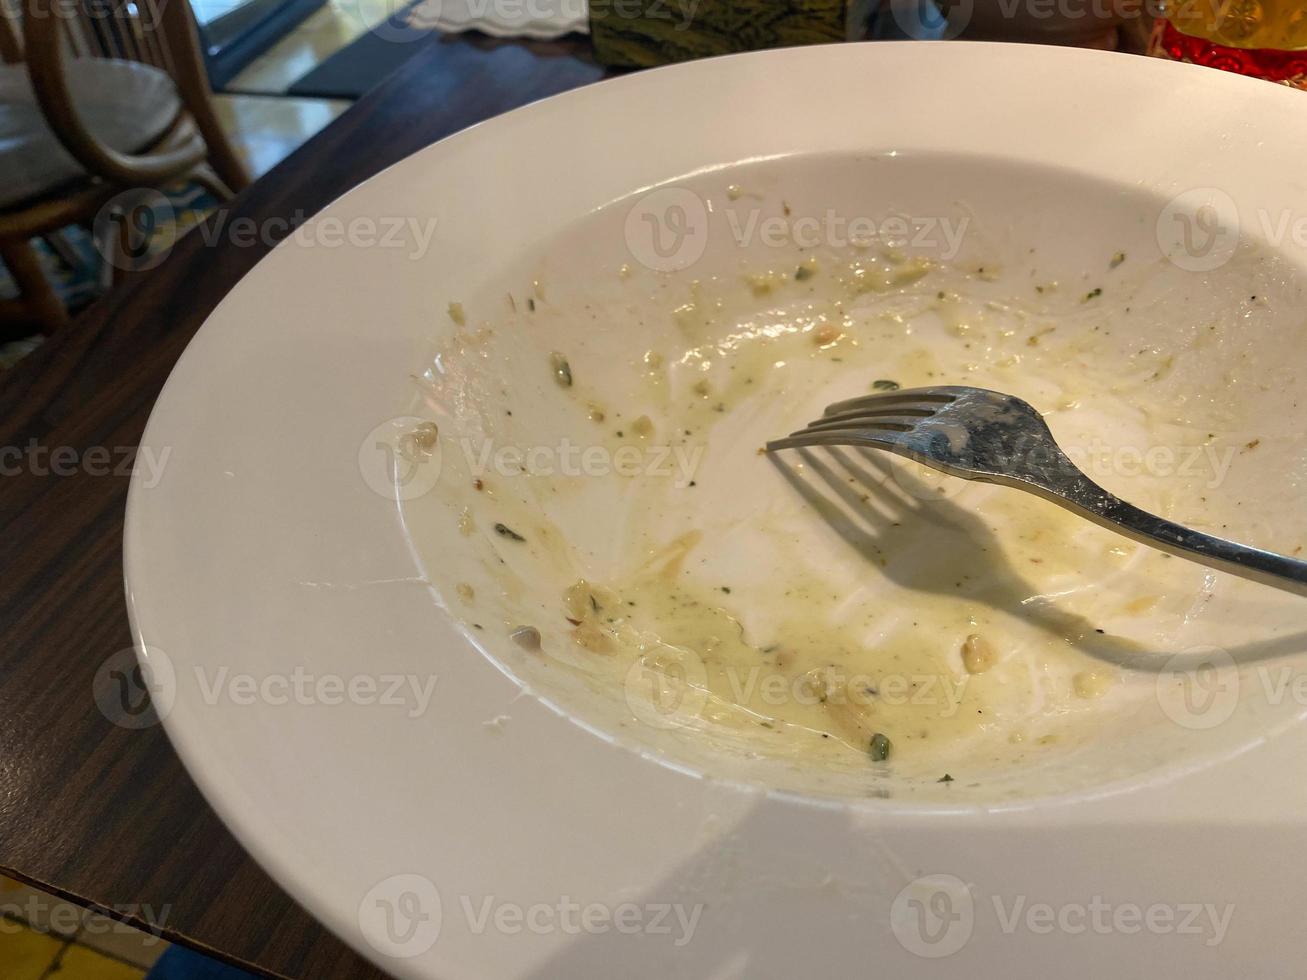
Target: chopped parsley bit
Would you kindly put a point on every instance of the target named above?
(802, 272)
(1117, 259)
(946, 778)
(530, 304)
(1094, 293)
(726, 589)
(562, 370)
(505, 531)
(886, 385)
(879, 748)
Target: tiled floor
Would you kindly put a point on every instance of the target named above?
(265, 129)
(207, 11)
(267, 126)
(320, 35)
(45, 938)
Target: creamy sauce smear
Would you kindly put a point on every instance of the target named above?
(960, 623)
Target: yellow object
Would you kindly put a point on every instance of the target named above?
(1277, 24)
(25, 954)
(81, 963)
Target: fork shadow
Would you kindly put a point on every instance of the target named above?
(956, 554)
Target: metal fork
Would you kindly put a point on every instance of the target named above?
(991, 437)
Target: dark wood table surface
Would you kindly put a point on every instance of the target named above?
(102, 814)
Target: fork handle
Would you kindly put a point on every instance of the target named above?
(1088, 499)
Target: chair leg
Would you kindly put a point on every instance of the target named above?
(205, 176)
(35, 290)
(62, 247)
(222, 155)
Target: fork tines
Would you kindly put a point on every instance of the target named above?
(870, 419)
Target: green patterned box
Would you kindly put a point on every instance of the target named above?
(644, 33)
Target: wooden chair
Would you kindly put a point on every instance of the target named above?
(121, 86)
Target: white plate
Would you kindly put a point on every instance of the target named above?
(267, 550)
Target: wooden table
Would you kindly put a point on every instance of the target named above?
(101, 814)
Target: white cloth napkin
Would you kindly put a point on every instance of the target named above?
(541, 19)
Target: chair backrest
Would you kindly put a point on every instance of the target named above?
(160, 33)
(156, 32)
(11, 44)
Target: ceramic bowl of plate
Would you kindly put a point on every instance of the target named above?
(486, 623)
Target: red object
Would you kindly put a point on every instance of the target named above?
(1269, 63)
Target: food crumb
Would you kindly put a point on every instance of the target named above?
(880, 747)
(561, 368)
(527, 637)
(503, 530)
(978, 654)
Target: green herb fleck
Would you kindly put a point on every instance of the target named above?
(505, 531)
(886, 385)
(880, 747)
(562, 370)
(1094, 293)
(802, 272)
(531, 304)
(1117, 259)
(946, 778)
